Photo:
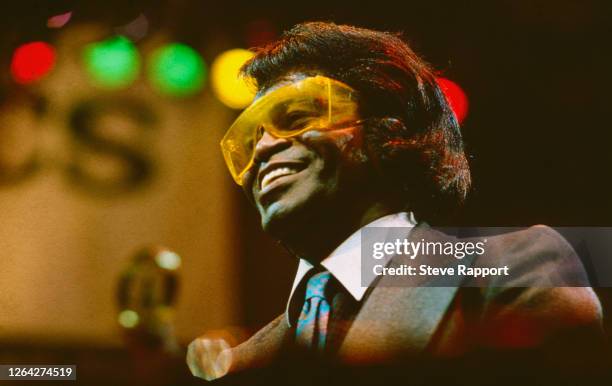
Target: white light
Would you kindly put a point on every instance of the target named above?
(168, 260)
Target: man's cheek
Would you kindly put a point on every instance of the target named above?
(248, 183)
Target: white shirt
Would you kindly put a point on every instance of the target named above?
(344, 263)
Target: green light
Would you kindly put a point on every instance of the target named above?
(112, 63)
(177, 69)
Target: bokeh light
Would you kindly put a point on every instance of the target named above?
(32, 61)
(456, 97)
(215, 356)
(136, 29)
(231, 89)
(128, 318)
(112, 63)
(168, 260)
(58, 21)
(177, 69)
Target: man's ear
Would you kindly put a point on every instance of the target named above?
(393, 125)
(386, 139)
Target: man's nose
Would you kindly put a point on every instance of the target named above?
(268, 145)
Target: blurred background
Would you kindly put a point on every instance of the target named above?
(123, 236)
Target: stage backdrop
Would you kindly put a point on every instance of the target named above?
(91, 175)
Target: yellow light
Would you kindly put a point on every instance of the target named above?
(128, 318)
(229, 88)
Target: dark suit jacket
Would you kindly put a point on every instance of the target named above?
(405, 325)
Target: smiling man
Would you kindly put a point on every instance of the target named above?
(349, 128)
(311, 167)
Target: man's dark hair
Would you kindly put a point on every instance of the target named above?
(410, 125)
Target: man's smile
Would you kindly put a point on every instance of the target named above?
(276, 174)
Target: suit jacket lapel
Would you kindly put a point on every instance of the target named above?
(393, 321)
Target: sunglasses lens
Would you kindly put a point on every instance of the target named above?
(313, 103)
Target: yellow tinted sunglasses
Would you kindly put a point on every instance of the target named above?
(315, 103)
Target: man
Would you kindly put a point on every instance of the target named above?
(349, 128)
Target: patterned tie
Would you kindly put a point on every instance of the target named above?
(311, 330)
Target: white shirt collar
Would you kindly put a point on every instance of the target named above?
(344, 263)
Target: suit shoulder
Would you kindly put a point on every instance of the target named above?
(536, 256)
(548, 286)
(537, 238)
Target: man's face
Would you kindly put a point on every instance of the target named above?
(313, 175)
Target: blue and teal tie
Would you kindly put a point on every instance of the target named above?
(311, 330)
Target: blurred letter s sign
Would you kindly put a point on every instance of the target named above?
(109, 152)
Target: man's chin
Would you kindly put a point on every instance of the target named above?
(281, 221)
(274, 220)
(290, 215)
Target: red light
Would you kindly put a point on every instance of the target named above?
(32, 61)
(456, 97)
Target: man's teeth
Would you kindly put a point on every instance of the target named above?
(274, 174)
